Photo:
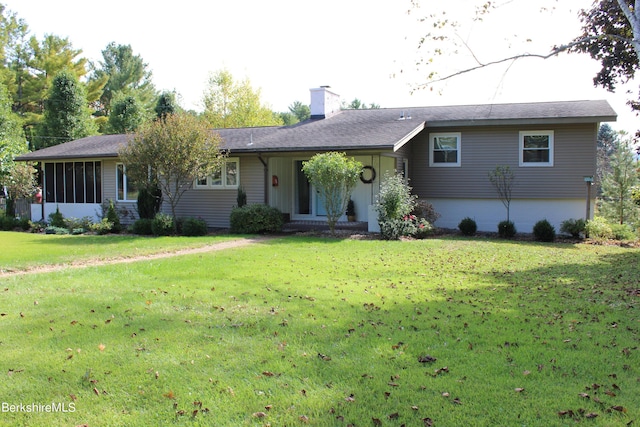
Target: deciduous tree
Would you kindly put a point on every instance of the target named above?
(231, 104)
(172, 153)
(334, 177)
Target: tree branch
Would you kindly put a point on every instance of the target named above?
(555, 51)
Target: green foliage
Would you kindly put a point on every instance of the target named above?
(574, 227)
(166, 105)
(84, 223)
(394, 203)
(142, 227)
(177, 150)
(231, 104)
(56, 219)
(66, 116)
(12, 140)
(424, 209)
(126, 116)
(149, 201)
(7, 222)
(616, 203)
(241, 198)
(506, 229)
(163, 225)
(599, 228)
(194, 227)
(103, 227)
(256, 219)
(468, 226)
(502, 179)
(544, 231)
(351, 208)
(124, 74)
(113, 218)
(334, 177)
(623, 232)
(56, 230)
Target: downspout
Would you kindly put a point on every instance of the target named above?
(265, 178)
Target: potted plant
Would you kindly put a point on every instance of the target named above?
(351, 211)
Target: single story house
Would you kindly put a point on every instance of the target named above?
(446, 153)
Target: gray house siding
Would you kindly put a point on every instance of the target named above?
(214, 205)
(483, 148)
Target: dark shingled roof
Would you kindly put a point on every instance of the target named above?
(360, 129)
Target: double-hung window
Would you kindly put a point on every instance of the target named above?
(444, 149)
(126, 189)
(536, 148)
(227, 177)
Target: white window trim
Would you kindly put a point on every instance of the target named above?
(223, 174)
(524, 133)
(125, 179)
(458, 136)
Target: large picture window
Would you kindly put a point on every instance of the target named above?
(73, 182)
(444, 149)
(536, 148)
(127, 190)
(227, 177)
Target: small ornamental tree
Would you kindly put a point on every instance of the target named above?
(172, 153)
(335, 177)
(502, 178)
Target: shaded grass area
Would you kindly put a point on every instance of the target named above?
(332, 332)
(21, 251)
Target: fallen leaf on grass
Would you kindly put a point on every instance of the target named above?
(426, 359)
(304, 418)
(259, 414)
(101, 347)
(519, 389)
(169, 395)
(428, 422)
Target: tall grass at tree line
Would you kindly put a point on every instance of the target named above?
(332, 332)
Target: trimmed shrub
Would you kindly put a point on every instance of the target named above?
(149, 201)
(102, 227)
(544, 231)
(142, 227)
(506, 229)
(424, 209)
(56, 230)
(255, 219)
(599, 228)
(56, 219)
(194, 227)
(241, 198)
(468, 226)
(162, 225)
(575, 227)
(113, 218)
(622, 232)
(7, 223)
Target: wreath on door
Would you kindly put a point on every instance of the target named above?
(368, 174)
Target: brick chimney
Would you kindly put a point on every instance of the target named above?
(324, 103)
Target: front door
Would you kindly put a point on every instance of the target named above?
(302, 192)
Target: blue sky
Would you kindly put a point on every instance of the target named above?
(361, 48)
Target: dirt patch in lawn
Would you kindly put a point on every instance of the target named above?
(237, 243)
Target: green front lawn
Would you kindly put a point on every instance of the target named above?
(328, 332)
(21, 251)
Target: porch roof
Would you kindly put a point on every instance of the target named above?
(380, 129)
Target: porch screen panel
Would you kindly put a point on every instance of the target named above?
(49, 182)
(79, 179)
(68, 183)
(89, 182)
(98, 181)
(59, 183)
